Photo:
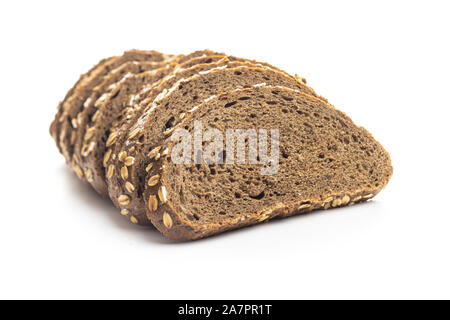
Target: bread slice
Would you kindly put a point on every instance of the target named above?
(71, 106)
(325, 161)
(127, 184)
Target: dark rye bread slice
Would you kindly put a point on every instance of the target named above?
(113, 105)
(167, 111)
(74, 103)
(325, 161)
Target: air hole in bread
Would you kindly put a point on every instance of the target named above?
(169, 124)
(115, 94)
(230, 104)
(259, 196)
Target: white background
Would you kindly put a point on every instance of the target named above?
(385, 63)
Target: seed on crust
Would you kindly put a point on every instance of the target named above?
(73, 136)
(124, 173)
(110, 171)
(167, 220)
(263, 218)
(106, 157)
(169, 131)
(182, 115)
(74, 123)
(368, 196)
(122, 156)
(124, 212)
(336, 202)
(85, 150)
(158, 156)
(80, 119)
(356, 199)
(152, 203)
(134, 133)
(129, 186)
(78, 171)
(162, 194)
(95, 116)
(304, 206)
(129, 161)
(111, 139)
(154, 152)
(89, 133)
(149, 167)
(327, 203)
(345, 200)
(165, 152)
(91, 146)
(89, 175)
(153, 181)
(133, 220)
(124, 200)
(87, 102)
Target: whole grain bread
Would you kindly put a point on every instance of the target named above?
(118, 128)
(325, 161)
(126, 182)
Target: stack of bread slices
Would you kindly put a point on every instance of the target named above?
(119, 128)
